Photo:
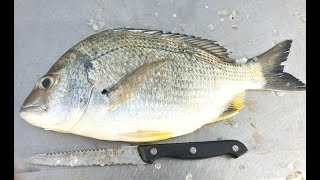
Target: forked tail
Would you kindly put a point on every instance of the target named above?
(272, 69)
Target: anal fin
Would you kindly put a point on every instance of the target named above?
(226, 114)
(236, 104)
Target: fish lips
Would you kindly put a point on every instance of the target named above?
(32, 109)
(32, 114)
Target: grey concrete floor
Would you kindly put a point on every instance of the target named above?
(273, 127)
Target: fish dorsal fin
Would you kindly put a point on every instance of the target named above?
(207, 45)
(130, 84)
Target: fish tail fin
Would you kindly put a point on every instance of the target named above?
(272, 69)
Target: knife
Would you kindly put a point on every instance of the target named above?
(141, 154)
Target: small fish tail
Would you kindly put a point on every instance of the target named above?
(276, 79)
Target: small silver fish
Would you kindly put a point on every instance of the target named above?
(146, 85)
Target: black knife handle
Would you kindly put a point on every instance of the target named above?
(192, 150)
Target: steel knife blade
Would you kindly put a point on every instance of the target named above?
(141, 154)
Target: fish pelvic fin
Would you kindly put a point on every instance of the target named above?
(147, 135)
(237, 103)
(270, 62)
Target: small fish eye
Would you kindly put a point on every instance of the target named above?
(46, 82)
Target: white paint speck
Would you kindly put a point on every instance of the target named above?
(296, 13)
(282, 164)
(222, 19)
(279, 93)
(274, 41)
(236, 125)
(141, 167)
(297, 175)
(156, 14)
(265, 151)
(303, 19)
(234, 27)
(258, 138)
(73, 161)
(174, 15)
(275, 32)
(172, 2)
(241, 61)
(223, 13)
(189, 176)
(157, 165)
(291, 166)
(231, 123)
(243, 166)
(96, 26)
(210, 27)
(206, 6)
(57, 162)
(101, 24)
(234, 12)
(91, 22)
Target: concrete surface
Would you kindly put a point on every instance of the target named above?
(273, 127)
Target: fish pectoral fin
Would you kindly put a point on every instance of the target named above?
(147, 135)
(130, 84)
(236, 104)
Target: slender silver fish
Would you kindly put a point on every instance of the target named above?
(146, 85)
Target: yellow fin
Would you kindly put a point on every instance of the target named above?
(147, 135)
(236, 104)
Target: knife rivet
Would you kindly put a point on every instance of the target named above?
(153, 151)
(193, 150)
(235, 148)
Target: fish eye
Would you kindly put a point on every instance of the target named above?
(46, 82)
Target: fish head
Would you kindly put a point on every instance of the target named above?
(58, 98)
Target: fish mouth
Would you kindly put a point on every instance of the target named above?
(33, 114)
(32, 109)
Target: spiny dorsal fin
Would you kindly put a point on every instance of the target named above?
(204, 44)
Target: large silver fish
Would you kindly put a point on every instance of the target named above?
(143, 85)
